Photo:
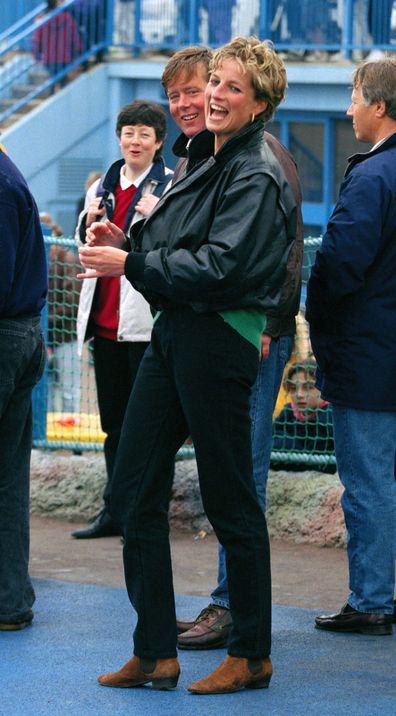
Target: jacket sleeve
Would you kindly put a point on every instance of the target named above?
(349, 247)
(240, 237)
(10, 233)
(79, 233)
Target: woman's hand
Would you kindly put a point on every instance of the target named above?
(101, 261)
(146, 204)
(105, 233)
(94, 211)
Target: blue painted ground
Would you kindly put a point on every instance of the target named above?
(82, 630)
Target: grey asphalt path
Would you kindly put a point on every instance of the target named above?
(303, 575)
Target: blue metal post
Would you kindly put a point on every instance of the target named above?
(193, 22)
(264, 16)
(347, 35)
(137, 34)
(109, 22)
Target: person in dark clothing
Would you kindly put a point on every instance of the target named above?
(351, 310)
(184, 80)
(379, 13)
(23, 289)
(57, 42)
(110, 310)
(211, 259)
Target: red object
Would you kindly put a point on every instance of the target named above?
(58, 42)
(105, 310)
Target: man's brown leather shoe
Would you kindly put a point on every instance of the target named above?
(235, 674)
(349, 620)
(183, 626)
(210, 630)
(161, 673)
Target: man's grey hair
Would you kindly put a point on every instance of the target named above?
(377, 80)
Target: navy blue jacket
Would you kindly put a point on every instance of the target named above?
(351, 297)
(158, 176)
(23, 268)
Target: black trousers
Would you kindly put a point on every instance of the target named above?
(195, 378)
(116, 367)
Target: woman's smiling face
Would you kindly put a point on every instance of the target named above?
(230, 101)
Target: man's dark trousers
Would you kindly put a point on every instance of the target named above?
(22, 359)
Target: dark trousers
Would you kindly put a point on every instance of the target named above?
(195, 378)
(116, 367)
(22, 359)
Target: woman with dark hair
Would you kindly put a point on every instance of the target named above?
(110, 310)
(211, 258)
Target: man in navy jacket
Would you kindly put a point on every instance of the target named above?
(23, 288)
(351, 308)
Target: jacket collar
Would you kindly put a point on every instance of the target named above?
(157, 174)
(361, 156)
(251, 135)
(202, 145)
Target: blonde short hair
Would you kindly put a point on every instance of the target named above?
(266, 69)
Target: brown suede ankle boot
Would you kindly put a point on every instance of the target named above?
(162, 673)
(235, 674)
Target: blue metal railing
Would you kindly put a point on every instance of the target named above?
(41, 51)
(307, 24)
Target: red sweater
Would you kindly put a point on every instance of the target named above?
(105, 310)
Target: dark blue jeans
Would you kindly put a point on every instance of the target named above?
(262, 404)
(22, 358)
(365, 445)
(195, 379)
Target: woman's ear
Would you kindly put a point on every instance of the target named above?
(261, 106)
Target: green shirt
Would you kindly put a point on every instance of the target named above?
(249, 323)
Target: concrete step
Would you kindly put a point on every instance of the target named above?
(7, 103)
(9, 121)
(20, 91)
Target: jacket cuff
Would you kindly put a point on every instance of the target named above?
(134, 266)
(82, 229)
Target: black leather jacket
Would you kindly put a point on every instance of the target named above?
(281, 321)
(220, 238)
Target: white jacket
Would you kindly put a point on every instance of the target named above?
(135, 320)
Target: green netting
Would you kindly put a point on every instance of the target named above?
(65, 406)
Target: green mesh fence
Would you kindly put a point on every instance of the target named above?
(65, 408)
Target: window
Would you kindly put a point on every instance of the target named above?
(306, 145)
